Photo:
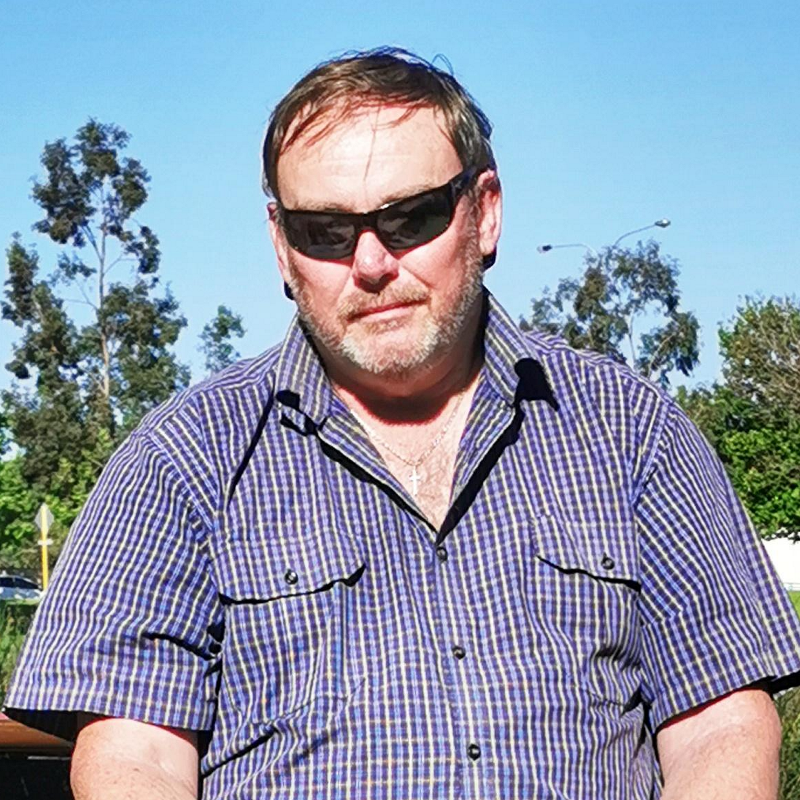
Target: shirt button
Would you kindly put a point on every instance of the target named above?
(458, 651)
(441, 553)
(290, 577)
(607, 562)
(474, 752)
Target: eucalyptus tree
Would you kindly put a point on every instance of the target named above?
(216, 339)
(96, 334)
(620, 291)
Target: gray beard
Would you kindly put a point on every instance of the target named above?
(438, 336)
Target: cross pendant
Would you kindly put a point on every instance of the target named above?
(415, 478)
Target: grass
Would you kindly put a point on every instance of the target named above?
(795, 598)
(788, 706)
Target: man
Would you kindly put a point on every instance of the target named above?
(410, 552)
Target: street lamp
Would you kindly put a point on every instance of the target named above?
(546, 248)
(659, 223)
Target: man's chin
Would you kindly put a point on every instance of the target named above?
(386, 358)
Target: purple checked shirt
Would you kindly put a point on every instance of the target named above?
(247, 567)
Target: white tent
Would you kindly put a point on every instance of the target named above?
(785, 555)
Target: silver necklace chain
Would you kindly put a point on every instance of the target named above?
(414, 477)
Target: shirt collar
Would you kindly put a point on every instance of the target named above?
(301, 384)
(511, 366)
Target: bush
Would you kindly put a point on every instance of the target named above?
(15, 619)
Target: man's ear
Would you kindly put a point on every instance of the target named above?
(490, 211)
(278, 242)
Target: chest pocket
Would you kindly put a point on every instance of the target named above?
(585, 590)
(289, 608)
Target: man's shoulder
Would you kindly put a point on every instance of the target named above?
(585, 375)
(606, 403)
(575, 377)
(228, 397)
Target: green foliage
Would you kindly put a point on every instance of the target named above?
(618, 288)
(19, 505)
(766, 467)
(753, 419)
(216, 339)
(17, 511)
(5, 434)
(140, 330)
(81, 388)
(761, 352)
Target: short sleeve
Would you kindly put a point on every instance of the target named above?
(716, 617)
(131, 623)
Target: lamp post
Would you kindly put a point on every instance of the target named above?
(546, 248)
(659, 223)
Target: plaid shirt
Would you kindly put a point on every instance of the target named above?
(248, 567)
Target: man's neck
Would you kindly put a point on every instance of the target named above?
(416, 398)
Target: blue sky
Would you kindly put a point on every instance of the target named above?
(607, 117)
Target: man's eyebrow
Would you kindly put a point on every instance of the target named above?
(409, 191)
(323, 206)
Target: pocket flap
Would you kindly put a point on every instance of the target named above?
(260, 570)
(604, 552)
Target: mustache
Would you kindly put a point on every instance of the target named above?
(360, 304)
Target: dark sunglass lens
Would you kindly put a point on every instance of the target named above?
(320, 235)
(415, 221)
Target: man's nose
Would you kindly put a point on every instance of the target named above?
(373, 264)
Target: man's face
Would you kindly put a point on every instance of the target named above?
(383, 312)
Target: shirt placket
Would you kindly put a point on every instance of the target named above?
(446, 589)
(454, 611)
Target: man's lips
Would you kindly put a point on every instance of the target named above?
(387, 310)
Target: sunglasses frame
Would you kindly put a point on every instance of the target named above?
(370, 220)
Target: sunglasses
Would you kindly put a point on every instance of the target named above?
(406, 223)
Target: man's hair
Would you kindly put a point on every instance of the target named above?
(359, 80)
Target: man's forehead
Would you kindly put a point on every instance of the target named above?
(388, 150)
(332, 125)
